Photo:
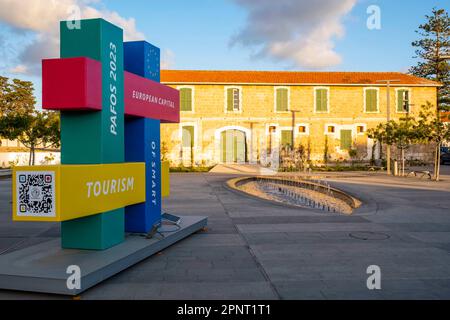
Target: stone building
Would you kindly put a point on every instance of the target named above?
(249, 116)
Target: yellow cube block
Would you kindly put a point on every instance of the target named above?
(165, 179)
(67, 192)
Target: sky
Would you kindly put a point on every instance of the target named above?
(297, 35)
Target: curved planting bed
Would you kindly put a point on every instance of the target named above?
(297, 193)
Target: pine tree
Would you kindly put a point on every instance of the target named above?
(433, 49)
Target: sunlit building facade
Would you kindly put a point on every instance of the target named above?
(249, 116)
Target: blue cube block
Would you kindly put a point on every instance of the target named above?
(142, 59)
(142, 144)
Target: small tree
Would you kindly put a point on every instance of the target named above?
(16, 102)
(308, 149)
(400, 133)
(403, 133)
(326, 151)
(16, 96)
(430, 128)
(378, 135)
(164, 151)
(300, 156)
(12, 125)
(353, 154)
(19, 120)
(43, 130)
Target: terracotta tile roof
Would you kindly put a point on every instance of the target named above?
(290, 77)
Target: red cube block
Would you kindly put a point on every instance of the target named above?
(71, 84)
(146, 98)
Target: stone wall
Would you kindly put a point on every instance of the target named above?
(8, 159)
(346, 111)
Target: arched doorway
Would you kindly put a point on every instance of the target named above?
(233, 146)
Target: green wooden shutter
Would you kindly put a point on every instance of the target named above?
(182, 99)
(346, 139)
(402, 104)
(371, 100)
(223, 143)
(230, 99)
(186, 99)
(286, 138)
(282, 100)
(240, 146)
(278, 96)
(188, 136)
(324, 100)
(400, 100)
(321, 100)
(318, 99)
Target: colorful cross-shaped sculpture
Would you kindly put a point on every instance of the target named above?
(111, 105)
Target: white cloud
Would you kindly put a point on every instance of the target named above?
(19, 69)
(300, 32)
(41, 19)
(167, 59)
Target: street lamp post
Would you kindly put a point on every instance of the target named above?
(388, 118)
(293, 136)
(293, 127)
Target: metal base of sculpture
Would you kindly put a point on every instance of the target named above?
(43, 267)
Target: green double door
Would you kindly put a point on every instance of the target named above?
(346, 139)
(233, 146)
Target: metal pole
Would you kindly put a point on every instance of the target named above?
(293, 129)
(251, 142)
(293, 133)
(388, 118)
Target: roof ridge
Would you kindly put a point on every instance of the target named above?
(280, 71)
(285, 76)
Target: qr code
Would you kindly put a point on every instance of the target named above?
(35, 194)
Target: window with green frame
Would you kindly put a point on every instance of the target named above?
(186, 99)
(286, 138)
(233, 99)
(371, 100)
(403, 100)
(321, 100)
(282, 100)
(188, 136)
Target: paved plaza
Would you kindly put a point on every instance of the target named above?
(255, 250)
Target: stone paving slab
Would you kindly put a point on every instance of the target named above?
(311, 227)
(327, 238)
(42, 267)
(299, 219)
(432, 237)
(254, 250)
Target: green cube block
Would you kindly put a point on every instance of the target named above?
(95, 137)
